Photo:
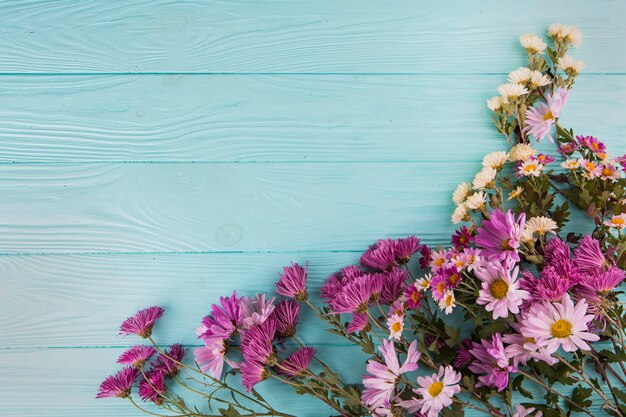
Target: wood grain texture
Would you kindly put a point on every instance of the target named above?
(361, 36)
(232, 118)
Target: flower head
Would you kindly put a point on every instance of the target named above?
(119, 385)
(413, 295)
(257, 343)
(499, 236)
(593, 144)
(521, 75)
(617, 222)
(253, 372)
(152, 387)
(447, 301)
(568, 148)
(136, 356)
(462, 237)
(461, 192)
(292, 282)
(169, 362)
(380, 256)
(298, 362)
(565, 33)
(521, 152)
(588, 255)
(491, 363)
(460, 214)
(142, 322)
(224, 321)
(570, 65)
(256, 310)
(484, 178)
(521, 411)
(286, 314)
(211, 357)
(539, 120)
(500, 292)
(512, 91)
(476, 201)
(406, 247)
(436, 392)
(495, 103)
(532, 43)
(541, 226)
(395, 324)
(530, 168)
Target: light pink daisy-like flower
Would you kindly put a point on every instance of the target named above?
(617, 222)
(499, 236)
(500, 292)
(437, 260)
(253, 372)
(142, 322)
(298, 362)
(491, 363)
(169, 362)
(286, 314)
(152, 387)
(588, 255)
(211, 358)
(136, 356)
(560, 325)
(381, 381)
(523, 349)
(120, 385)
(521, 411)
(292, 282)
(593, 144)
(608, 172)
(256, 310)
(447, 302)
(395, 324)
(539, 120)
(436, 392)
(397, 307)
(590, 169)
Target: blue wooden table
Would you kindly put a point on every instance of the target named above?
(164, 152)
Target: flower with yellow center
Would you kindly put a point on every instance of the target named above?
(515, 193)
(395, 324)
(460, 214)
(531, 167)
(500, 292)
(571, 164)
(617, 222)
(532, 43)
(447, 302)
(495, 160)
(484, 178)
(463, 190)
(512, 91)
(436, 391)
(570, 65)
(541, 225)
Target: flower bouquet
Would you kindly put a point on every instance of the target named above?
(520, 315)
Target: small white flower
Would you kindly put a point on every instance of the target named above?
(462, 191)
(511, 91)
(521, 75)
(571, 164)
(476, 201)
(570, 66)
(527, 236)
(574, 36)
(537, 79)
(495, 103)
(566, 33)
(447, 302)
(521, 152)
(495, 160)
(541, 225)
(484, 178)
(515, 193)
(423, 283)
(532, 43)
(531, 167)
(460, 214)
(395, 324)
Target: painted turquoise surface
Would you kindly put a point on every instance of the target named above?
(164, 152)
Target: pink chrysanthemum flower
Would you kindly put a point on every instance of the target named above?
(425, 253)
(500, 292)
(593, 144)
(292, 282)
(438, 287)
(335, 282)
(603, 281)
(136, 356)
(436, 392)
(413, 296)
(298, 362)
(499, 236)
(544, 158)
(521, 411)
(556, 250)
(354, 297)
(403, 249)
(169, 362)
(211, 357)
(359, 322)
(608, 172)
(539, 120)
(523, 349)
(142, 322)
(397, 307)
(491, 363)
(462, 238)
(463, 356)
(437, 260)
(622, 161)
(617, 222)
(380, 256)
(152, 387)
(120, 385)
(559, 325)
(286, 314)
(253, 372)
(552, 286)
(381, 381)
(223, 322)
(257, 343)
(393, 285)
(568, 148)
(591, 170)
(256, 310)
(588, 255)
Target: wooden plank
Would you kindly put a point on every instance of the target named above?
(272, 118)
(361, 36)
(69, 208)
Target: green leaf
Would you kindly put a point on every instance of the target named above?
(580, 396)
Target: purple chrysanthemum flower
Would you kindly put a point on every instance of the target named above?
(491, 363)
(335, 282)
(593, 144)
(223, 322)
(500, 235)
(354, 297)
(298, 362)
(380, 256)
(413, 297)
(256, 310)
(393, 285)
(292, 282)
(118, 385)
(603, 281)
(539, 120)
(462, 238)
(463, 356)
(253, 372)
(169, 362)
(136, 356)
(257, 343)
(544, 158)
(556, 251)
(622, 161)
(211, 357)
(286, 314)
(360, 322)
(142, 322)
(403, 249)
(424, 260)
(152, 387)
(588, 255)
(568, 148)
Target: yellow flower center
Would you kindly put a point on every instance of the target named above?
(548, 115)
(530, 340)
(595, 146)
(440, 287)
(607, 172)
(590, 166)
(396, 327)
(561, 329)
(414, 297)
(617, 220)
(439, 261)
(454, 278)
(499, 289)
(435, 388)
(449, 300)
(530, 168)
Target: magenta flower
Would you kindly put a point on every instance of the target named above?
(539, 120)
(292, 282)
(588, 255)
(393, 285)
(256, 310)
(359, 322)
(551, 286)
(622, 161)
(223, 322)
(120, 385)
(568, 148)
(593, 144)
(257, 343)
(500, 292)
(152, 387)
(253, 372)
(413, 297)
(286, 314)
(169, 362)
(335, 282)
(403, 249)
(556, 251)
(463, 355)
(211, 357)
(380, 256)
(142, 322)
(136, 356)
(354, 297)
(603, 281)
(499, 236)
(543, 158)
(298, 362)
(424, 260)
(491, 363)
(462, 238)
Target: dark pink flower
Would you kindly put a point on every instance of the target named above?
(223, 322)
(353, 297)
(136, 356)
(463, 355)
(500, 235)
(393, 285)
(360, 322)
(588, 255)
(380, 256)
(413, 297)
(403, 249)
(425, 253)
(544, 158)
(169, 362)
(119, 385)
(257, 343)
(292, 282)
(491, 363)
(622, 161)
(255, 310)
(298, 362)
(211, 357)
(253, 372)
(462, 238)
(593, 144)
(142, 322)
(603, 281)
(556, 251)
(568, 148)
(152, 387)
(335, 282)
(286, 314)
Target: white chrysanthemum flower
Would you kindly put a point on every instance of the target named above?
(574, 36)
(521, 75)
(476, 201)
(496, 103)
(460, 214)
(541, 225)
(532, 43)
(462, 191)
(512, 91)
(515, 193)
(531, 167)
(484, 178)
(527, 236)
(521, 152)
(570, 65)
(537, 79)
(567, 33)
(571, 164)
(447, 302)
(495, 160)
(423, 283)
(557, 30)
(395, 324)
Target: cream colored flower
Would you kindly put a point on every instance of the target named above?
(521, 75)
(571, 164)
(460, 214)
(531, 167)
(448, 302)
(515, 193)
(541, 225)
(495, 160)
(566, 33)
(521, 152)
(532, 43)
(496, 103)
(557, 30)
(512, 91)
(462, 191)
(570, 66)
(476, 201)
(484, 178)
(537, 79)
(574, 36)
(527, 236)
